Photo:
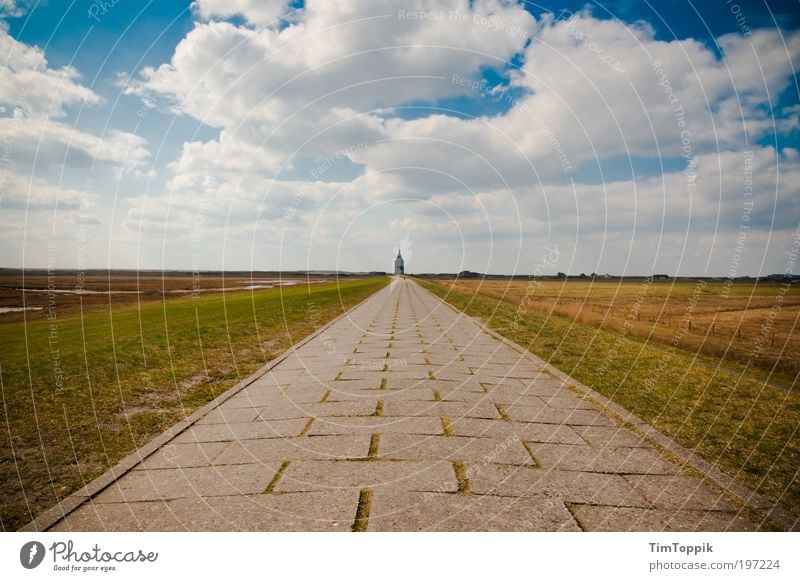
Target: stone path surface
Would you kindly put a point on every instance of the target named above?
(406, 415)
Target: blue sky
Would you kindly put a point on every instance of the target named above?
(262, 135)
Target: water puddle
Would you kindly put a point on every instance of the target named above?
(18, 309)
(77, 291)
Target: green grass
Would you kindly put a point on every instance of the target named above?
(747, 428)
(361, 521)
(270, 489)
(461, 477)
(374, 443)
(130, 372)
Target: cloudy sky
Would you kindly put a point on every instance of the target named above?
(494, 136)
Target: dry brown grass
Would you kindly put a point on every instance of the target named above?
(125, 288)
(746, 322)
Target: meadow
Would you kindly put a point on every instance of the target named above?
(85, 387)
(745, 322)
(741, 417)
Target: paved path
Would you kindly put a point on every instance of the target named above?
(405, 415)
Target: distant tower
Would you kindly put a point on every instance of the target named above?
(399, 264)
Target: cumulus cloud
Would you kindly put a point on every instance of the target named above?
(14, 8)
(24, 194)
(360, 54)
(672, 99)
(35, 97)
(650, 90)
(29, 85)
(259, 12)
(570, 92)
(43, 143)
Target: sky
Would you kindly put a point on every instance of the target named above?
(617, 137)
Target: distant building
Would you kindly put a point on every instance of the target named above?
(783, 277)
(399, 264)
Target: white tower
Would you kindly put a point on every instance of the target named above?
(399, 264)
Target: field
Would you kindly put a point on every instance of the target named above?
(91, 377)
(744, 322)
(741, 418)
(30, 294)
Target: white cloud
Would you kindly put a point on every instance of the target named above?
(579, 109)
(587, 90)
(34, 97)
(14, 8)
(28, 84)
(40, 143)
(590, 105)
(358, 54)
(20, 193)
(312, 88)
(260, 12)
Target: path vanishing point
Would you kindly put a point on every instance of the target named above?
(407, 415)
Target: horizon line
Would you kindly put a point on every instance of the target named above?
(462, 273)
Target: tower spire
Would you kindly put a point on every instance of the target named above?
(399, 263)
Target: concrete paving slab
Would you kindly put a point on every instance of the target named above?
(388, 394)
(568, 486)
(376, 425)
(169, 483)
(327, 409)
(375, 475)
(550, 434)
(469, 450)
(393, 511)
(679, 492)
(453, 409)
(183, 456)
(602, 459)
(248, 431)
(615, 437)
(611, 518)
(305, 448)
(318, 511)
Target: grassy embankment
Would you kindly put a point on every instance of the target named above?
(129, 372)
(729, 416)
